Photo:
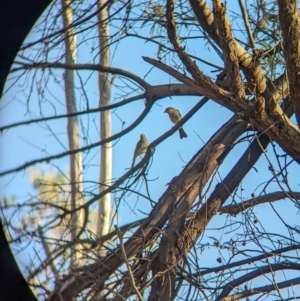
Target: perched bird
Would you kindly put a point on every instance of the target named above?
(140, 148)
(175, 117)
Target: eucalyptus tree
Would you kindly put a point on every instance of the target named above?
(225, 226)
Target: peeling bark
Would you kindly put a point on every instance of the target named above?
(249, 65)
(290, 25)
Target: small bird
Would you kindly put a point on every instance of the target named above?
(175, 117)
(140, 148)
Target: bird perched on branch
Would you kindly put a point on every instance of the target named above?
(140, 148)
(175, 117)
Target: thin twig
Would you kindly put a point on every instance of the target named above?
(247, 24)
(127, 264)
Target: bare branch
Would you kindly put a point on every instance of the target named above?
(247, 24)
(262, 270)
(271, 197)
(277, 127)
(99, 68)
(262, 289)
(128, 265)
(246, 261)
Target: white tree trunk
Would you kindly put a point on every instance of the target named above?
(104, 212)
(73, 128)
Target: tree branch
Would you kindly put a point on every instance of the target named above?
(262, 289)
(271, 197)
(260, 271)
(290, 25)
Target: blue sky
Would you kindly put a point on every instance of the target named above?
(25, 143)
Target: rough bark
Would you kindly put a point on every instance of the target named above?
(170, 254)
(276, 124)
(290, 25)
(197, 172)
(174, 205)
(176, 244)
(249, 65)
(285, 133)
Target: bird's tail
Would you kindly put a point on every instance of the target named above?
(182, 133)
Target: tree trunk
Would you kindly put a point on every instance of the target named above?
(73, 129)
(104, 211)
